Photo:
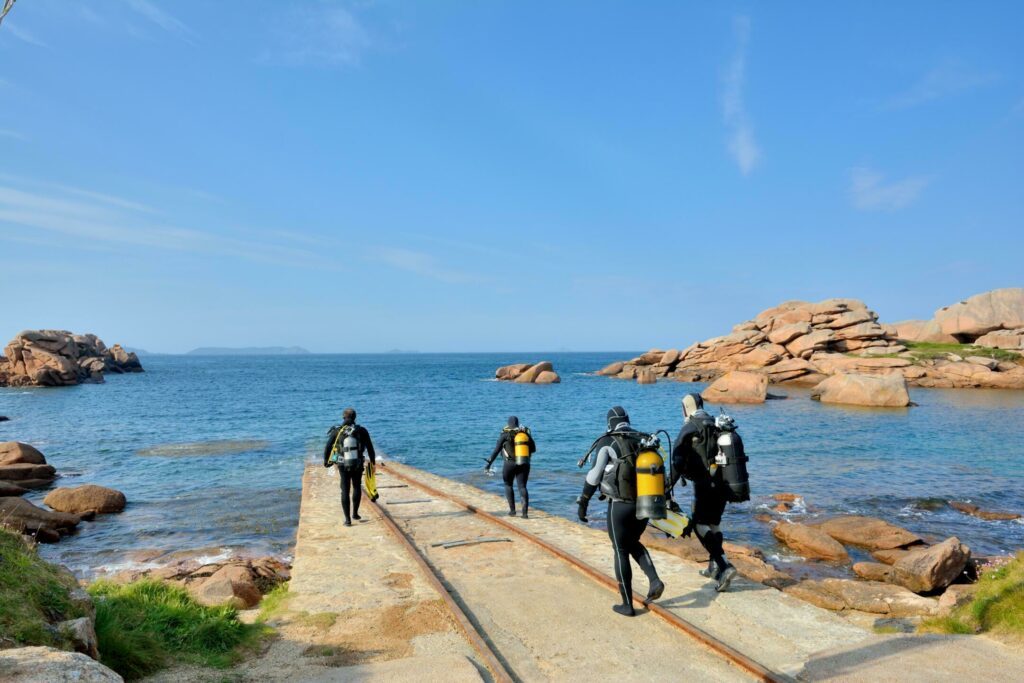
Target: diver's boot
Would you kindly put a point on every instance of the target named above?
(624, 609)
(655, 591)
(725, 578)
(711, 571)
(525, 515)
(348, 522)
(512, 512)
(355, 515)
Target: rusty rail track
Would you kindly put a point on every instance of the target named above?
(490, 658)
(727, 652)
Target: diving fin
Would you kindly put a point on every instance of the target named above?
(673, 524)
(371, 482)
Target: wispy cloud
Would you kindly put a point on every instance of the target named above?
(23, 35)
(945, 80)
(420, 263)
(323, 34)
(870, 192)
(741, 142)
(152, 13)
(96, 218)
(13, 134)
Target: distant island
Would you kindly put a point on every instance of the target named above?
(248, 351)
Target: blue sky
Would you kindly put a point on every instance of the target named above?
(455, 176)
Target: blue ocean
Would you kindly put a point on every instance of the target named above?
(210, 450)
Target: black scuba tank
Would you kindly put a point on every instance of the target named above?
(732, 462)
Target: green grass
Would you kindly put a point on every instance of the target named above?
(273, 603)
(997, 606)
(146, 625)
(926, 350)
(34, 595)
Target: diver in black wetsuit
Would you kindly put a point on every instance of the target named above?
(614, 471)
(513, 472)
(689, 460)
(346, 446)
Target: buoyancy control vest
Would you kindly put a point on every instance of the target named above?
(518, 446)
(637, 474)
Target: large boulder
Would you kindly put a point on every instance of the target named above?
(996, 310)
(24, 517)
(1003, 339)
(645, 376)
(878, 598)
(873, 571)
(510, 372)
(612, 369)
(919, 331)
(810, 542)
(548, 377)
(868, 532)
(928, 570)
(889, 391)
(82, 634)
(231, 585)
(529, 375)
(27, 475)
(9, 489)
(17, 453)
(738, 387)
(50, 665)
(87, 498)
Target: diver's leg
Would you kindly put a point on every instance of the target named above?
(357, 491)
(618, 531)
(346, 481)
(508, 475)
(522, 475)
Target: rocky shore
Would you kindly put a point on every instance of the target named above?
(50, 358)
(805, 343)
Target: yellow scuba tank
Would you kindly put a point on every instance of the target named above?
(522, 447)
(650, 484)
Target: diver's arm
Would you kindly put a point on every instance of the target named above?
(368, 443)
(497, 449)
(533, 445)
(593, 478)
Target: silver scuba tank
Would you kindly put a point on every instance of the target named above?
(350, 450)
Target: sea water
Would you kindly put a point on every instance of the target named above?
(210, 450)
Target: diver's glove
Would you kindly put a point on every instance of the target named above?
(584, 500)
(688, 529)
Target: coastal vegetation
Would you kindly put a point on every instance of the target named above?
(996, 607)
(35, 596)
(146, 625)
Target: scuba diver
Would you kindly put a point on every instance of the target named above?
(709, 452)
(615, 471)
(346, 445)
(516, 444)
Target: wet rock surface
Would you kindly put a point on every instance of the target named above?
(87, 498)
(528, 373)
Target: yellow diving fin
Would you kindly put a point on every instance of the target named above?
(673, 524)
(371, 482)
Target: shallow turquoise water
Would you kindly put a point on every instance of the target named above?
(442, 412)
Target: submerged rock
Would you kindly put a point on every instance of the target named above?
(988, 515)
(24, 517)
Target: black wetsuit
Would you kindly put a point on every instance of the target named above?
(709, 492)
(624, 529)
(349, 475)
(511, 473)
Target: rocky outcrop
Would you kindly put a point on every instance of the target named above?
(803, 343)
(868, 532)
(810, 542)
(873, 571)
(84, 499)
(23, 517)
(889, 391)
(60, 358)
(50, 665)
(987, 515)
(23, 467)
(738, 387)
(526, 373)
(931, 569)
(239, 582)
(865, 596)
(1000, 309)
